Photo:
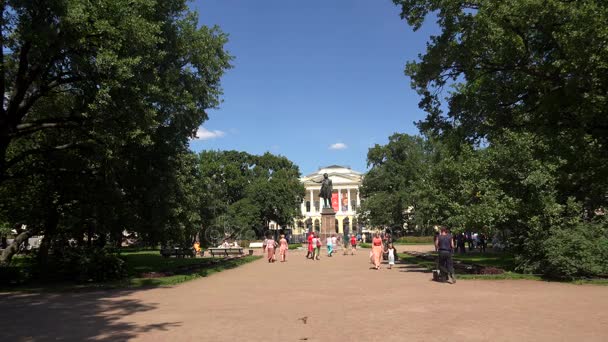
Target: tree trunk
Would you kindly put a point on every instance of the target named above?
(8, 253)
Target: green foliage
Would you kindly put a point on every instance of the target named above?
(99, 100)
(575, 251)
(415, 240)
(294, 245)
(525, 126)
(241, 193)
(84, 265)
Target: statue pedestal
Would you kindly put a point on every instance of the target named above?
(328, 223)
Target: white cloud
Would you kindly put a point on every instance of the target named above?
(205, 134)
(338, 146)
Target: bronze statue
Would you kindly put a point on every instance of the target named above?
(326, 189)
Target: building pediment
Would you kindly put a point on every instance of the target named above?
(335, 179)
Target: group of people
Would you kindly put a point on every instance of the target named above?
(380, 247)
(332, 242)
(474, 241)
(270, 245)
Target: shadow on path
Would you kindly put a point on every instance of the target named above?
(85, 316)
(413, 268)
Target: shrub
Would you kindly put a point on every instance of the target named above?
(86, 264)
(575, 251)
(13, 275)
(415, 239)
(294, 245)
(365, 245)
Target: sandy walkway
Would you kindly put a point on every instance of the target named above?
(341, 297)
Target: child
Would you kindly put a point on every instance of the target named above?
(391, 256)
(334, 243)
(283, 248)
(330, 246)
(353, 244)
(270, 246)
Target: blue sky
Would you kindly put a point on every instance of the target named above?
(312, 75)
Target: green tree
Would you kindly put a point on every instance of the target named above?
(532, 66)
(526, 118)
(99, 101)
(241, 192)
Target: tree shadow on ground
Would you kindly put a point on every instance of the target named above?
(76, 316)
(412, 268)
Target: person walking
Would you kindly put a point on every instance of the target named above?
(353, 244)
(391, 255)
(310, 253)
(270, 246)
(316, 243)
(330, 246)
(283, 247)
(377, 250)
(335, 242)
(445, 247)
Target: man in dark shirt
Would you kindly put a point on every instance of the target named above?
(445, 246)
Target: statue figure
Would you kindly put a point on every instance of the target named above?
(326, 189)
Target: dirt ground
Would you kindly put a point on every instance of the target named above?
(334, 299)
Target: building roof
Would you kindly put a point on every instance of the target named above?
(337, 173)
(333, 169)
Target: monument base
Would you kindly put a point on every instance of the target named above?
(328, 223)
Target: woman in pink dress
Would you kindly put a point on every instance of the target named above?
(283, 247)
(377, 250)
(270, 246)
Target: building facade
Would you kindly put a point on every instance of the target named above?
(346, 200)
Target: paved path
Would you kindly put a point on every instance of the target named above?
(341, 297)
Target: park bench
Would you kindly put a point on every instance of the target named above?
(226, 252)
(256, 245)
(177, 252)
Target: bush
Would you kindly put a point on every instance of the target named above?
(364, 245)
(415, 239)
(295, 245)
(85, 264)
(576, 251)
(13, 275)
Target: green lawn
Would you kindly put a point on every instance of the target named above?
(138, 263)
(151, 261)
(208, 267)
(500, 260)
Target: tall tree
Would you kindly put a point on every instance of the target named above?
(95, 92)
(532, 66)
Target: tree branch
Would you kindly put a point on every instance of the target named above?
(28, 153)
(34, 126)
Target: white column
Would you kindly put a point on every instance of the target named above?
(312, 202)
(340, 200)
(349, 204)
(358, 199)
